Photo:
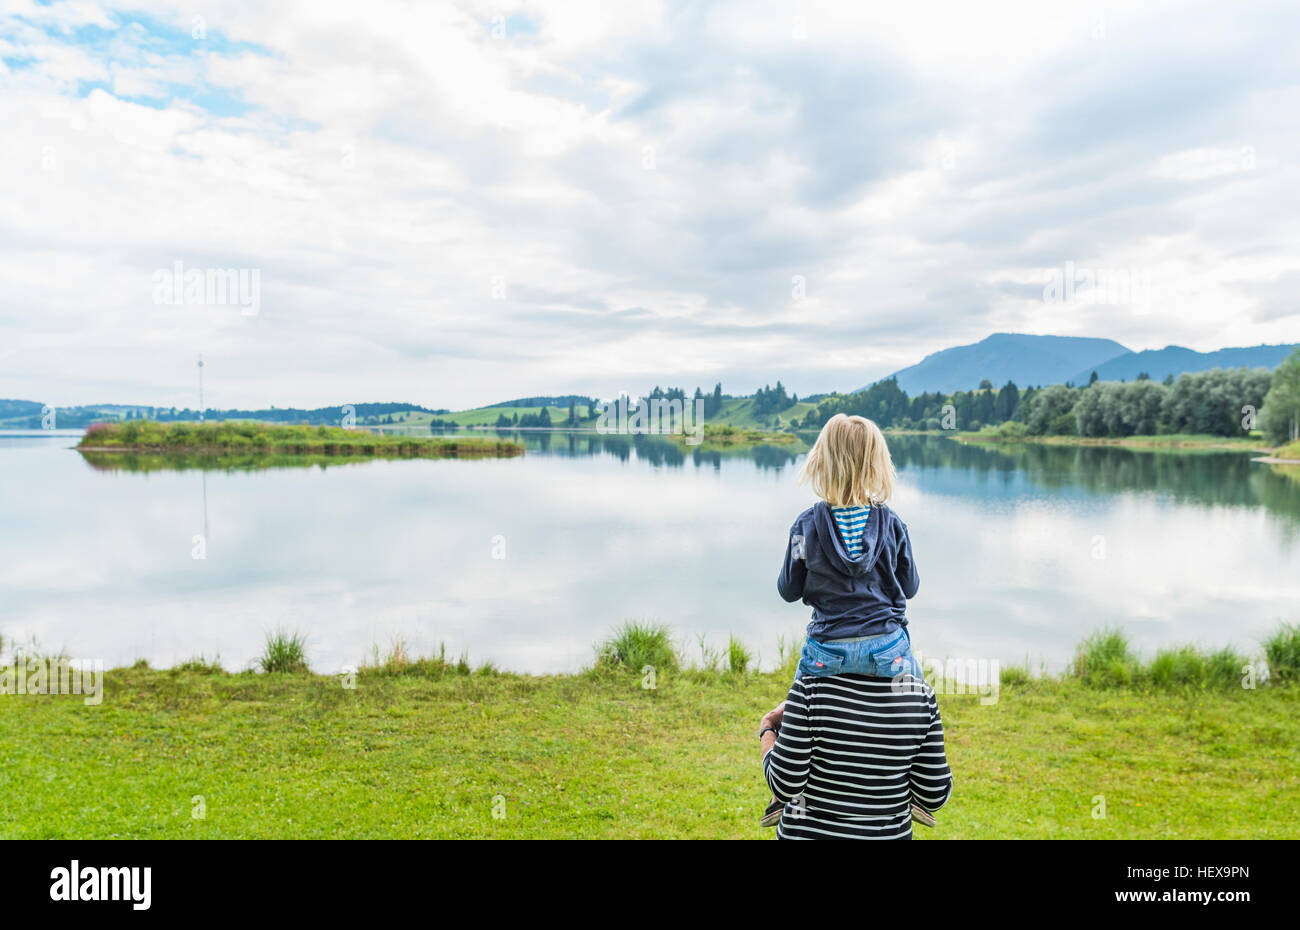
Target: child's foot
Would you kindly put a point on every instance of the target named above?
(920, 815)
(772, 816)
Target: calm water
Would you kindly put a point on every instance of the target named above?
(1202, 548)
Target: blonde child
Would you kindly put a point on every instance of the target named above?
(849, 558)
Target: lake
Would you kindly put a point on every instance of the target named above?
(528, 562)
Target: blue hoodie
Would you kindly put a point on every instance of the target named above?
(866, 596)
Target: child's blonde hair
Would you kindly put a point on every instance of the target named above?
(849, 465)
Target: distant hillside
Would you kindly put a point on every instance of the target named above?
(26, 414)
(19, 408)
(1004, 357)
(560, 400)
(1175, 360)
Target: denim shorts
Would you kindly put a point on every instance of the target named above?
(884, 656)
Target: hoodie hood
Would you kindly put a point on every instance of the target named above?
(828, 536)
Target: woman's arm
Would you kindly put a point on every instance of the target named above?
(786, 766)
(931, 778)
(772, 719)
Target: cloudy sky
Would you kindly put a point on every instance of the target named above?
(458, 203)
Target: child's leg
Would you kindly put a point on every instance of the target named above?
(894, 656)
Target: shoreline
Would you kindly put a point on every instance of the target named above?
(328, 450)
(1102, 658)
(1171, 443)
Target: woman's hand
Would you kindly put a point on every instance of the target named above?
(774, 717)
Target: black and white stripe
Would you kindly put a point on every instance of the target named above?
(860, 751)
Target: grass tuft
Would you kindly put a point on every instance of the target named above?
(285, 652)
(739, 656)
(399, 662)
(1011, 675)
(1186, 666)
(1282, 650)
(637, 644)
(710, 657)
(1105, 659)
(198, 665)
(788, 655)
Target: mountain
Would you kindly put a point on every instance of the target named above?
(1175, 360)
(1004, 357)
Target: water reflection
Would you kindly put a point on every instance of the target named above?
(1210, 478)
(945, 465)
(1006, 470)
(657, 451)
(601, 528)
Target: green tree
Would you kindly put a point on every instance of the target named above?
(1008, 399)
(1119, 409)
(1052, 411)
(1213, 401)
(769, 400)
(1280, 416)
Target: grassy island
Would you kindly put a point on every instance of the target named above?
(241, 440)
(720, 436)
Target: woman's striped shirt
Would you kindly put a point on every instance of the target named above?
(851, 521)
(854, 752)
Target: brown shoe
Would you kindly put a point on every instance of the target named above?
(923, 816)
(772, 816)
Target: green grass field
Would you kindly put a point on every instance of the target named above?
(740, 412)
(438, 751)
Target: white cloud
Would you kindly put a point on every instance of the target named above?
(644, 179)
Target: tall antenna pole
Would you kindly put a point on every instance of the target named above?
(200, 388)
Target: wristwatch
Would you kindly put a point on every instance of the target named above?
(765, 729)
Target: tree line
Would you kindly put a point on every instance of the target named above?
(1221, 402)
